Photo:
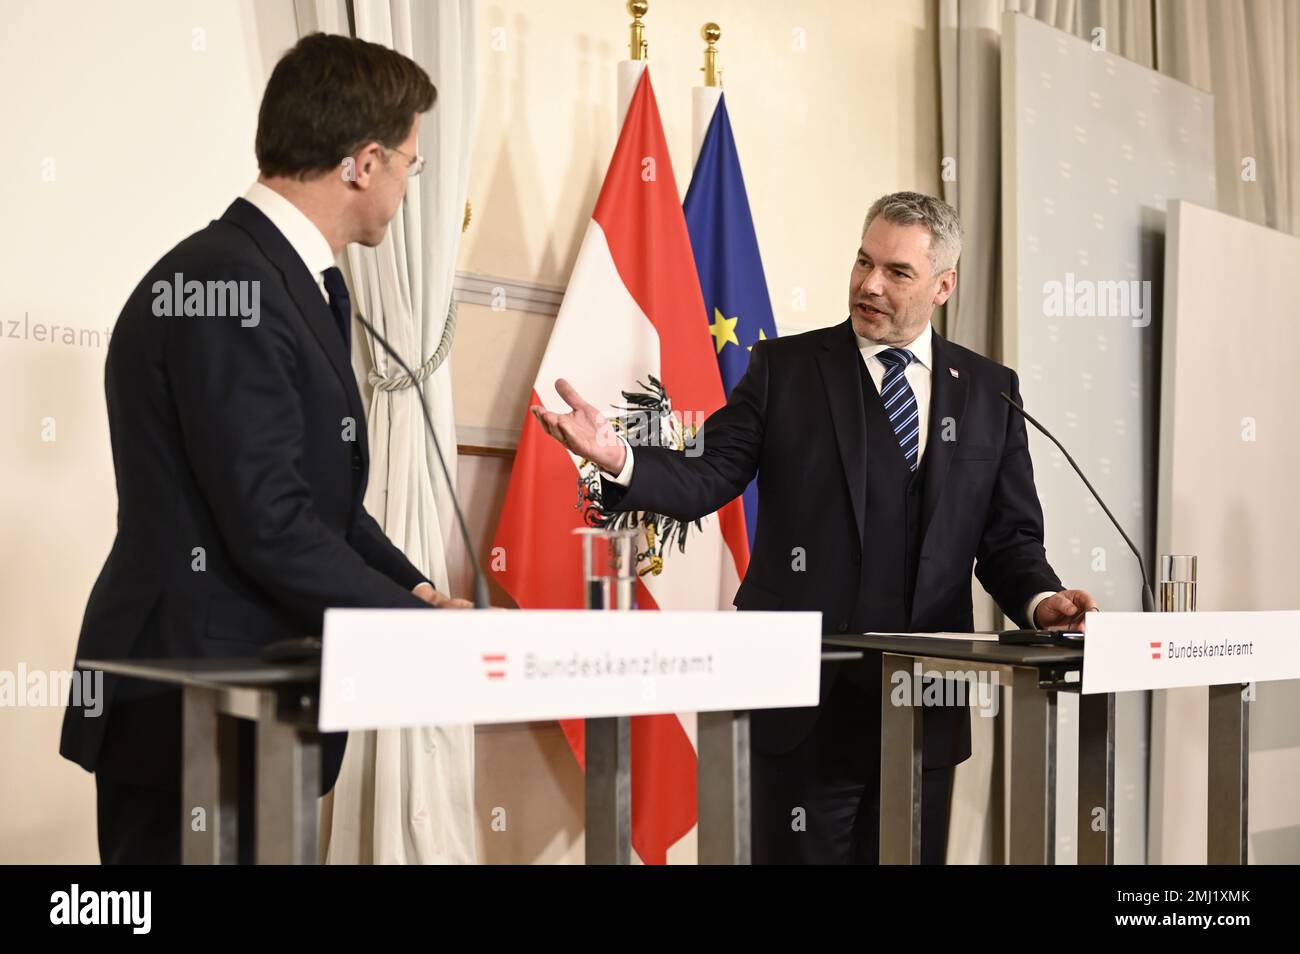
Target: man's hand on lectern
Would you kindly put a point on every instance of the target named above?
(584, 430)
(1064, 610)
(426, 592)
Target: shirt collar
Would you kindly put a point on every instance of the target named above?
(298, 230)
(920, 346)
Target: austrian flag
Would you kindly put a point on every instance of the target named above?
(633, 339)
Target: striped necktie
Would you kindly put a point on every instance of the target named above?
(900, 403)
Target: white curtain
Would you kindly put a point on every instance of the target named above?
(407, 796)
(1247, 53)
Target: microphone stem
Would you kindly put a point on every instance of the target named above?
(1148, 600)
(481, 597)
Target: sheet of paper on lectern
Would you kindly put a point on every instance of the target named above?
(976, 637)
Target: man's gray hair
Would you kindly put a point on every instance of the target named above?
(912, 208)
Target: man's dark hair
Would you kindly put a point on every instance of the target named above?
(331, 94)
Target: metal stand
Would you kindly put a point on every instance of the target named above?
(1096, 809)
(1032, 826)
(215, 693)
(609, 583)
(723, 797)
(608, 786)
(900, 768)
(1229, 776)
(1037, 674)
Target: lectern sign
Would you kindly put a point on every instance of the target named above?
(393, 668)
(1128, 651)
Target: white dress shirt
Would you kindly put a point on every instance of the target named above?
(917, 373)
(298, 230)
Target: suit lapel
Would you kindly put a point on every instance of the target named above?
(948, 394)
(307, 297)
(840, 374)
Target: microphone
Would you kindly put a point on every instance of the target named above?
(1148, 600)
(481, 599)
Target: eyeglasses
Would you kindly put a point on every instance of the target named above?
(414, 166)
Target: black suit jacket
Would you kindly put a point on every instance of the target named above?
(241, 460)
(797, 419)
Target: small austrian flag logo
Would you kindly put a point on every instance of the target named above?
(1155, 650)
(954, 372)
(494, 665)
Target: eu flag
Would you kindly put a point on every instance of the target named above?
(736, 305)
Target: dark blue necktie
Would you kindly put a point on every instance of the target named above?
(340, 302)
(900, 403)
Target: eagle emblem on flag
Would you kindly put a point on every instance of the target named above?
(647, 420)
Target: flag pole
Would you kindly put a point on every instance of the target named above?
(607, 743)
(704, 99)
(637, 46)
(711, 33)
(630, 70)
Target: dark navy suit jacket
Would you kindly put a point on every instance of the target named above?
(241, 459)
(797, 420)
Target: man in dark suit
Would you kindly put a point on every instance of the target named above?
(887, 466)
(238, 433)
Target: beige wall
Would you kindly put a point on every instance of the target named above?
(822, 131)
(147, 114)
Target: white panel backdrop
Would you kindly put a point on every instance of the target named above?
(1229, 460)
(1093, 148)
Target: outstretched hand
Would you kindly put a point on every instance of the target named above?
(583, 431)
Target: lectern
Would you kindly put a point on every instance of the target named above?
(398, 668)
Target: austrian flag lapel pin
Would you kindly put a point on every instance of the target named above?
(953, 372)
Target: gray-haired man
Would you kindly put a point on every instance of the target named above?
(889, 465)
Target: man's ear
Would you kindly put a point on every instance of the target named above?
(947, 282)
(360, 168)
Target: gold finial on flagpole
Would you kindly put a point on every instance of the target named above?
(637, 45)
(710, 33)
